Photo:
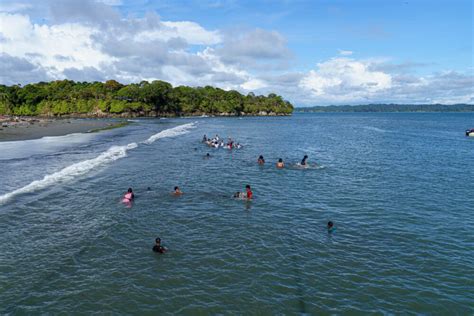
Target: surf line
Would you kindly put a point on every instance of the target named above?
(80, 168)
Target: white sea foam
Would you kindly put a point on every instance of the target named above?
(375, 129)
(78, 169)
(175, 131)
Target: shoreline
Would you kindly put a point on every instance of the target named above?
(16, 128)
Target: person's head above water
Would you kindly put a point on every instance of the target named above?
(176, 188)
(158, 240)
(260, 157)
(280, 160)
(129, 190)
(330, 225)
(305, 157)
(247, 187)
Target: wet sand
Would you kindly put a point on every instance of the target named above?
(52, 127)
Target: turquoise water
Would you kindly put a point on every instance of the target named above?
(399, 188)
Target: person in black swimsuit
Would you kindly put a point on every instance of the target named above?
(303, 162)
(158, 247)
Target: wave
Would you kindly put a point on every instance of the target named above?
(375, 129)
(78, 169)
(20, 149)
(175, 131)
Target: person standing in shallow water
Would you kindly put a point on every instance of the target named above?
(303, 162)
(331, 227)
(260, 160)
(158, 247)
(249, 192)
(129, 196)
(280, 164)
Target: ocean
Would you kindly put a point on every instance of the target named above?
(398, 187)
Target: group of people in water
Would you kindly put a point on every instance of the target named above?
(280, 164)
(217, 142)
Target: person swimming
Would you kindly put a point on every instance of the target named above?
(158, 247)
(248, 194)
(239, 195)
(331, 227)
(204, 138)
(280, 164)
(177, 191)
(129, 196)
(260, 160)
(207, 156)
(303, 162)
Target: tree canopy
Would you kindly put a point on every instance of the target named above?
(66, 97)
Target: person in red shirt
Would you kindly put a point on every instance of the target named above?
(249, 192)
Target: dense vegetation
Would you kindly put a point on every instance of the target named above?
(391, 108)
(66, 97)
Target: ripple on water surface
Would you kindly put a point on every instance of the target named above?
(71, 247)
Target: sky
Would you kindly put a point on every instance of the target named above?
(319, 52)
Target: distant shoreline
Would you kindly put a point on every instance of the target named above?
(17, 128)
(389, 108)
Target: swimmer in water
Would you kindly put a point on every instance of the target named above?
(204, 138)
(303, 162)
(239, 195)
(249, 194)
(158, 247)
(331, 227)
(207, 156)
(280, 164)
(129, 196)
(260, 160)
(177, 191)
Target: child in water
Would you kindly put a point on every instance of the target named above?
(260, 160)
(280, 164)
(158, 247)
(177, 191)
(331, 227)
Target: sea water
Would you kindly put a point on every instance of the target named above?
(399, 188)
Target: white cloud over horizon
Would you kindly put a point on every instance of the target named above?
(95, 42)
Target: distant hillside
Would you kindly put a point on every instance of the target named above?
(391, 108)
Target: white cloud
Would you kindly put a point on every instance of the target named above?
(91, 40)
(192, 32)
(340, 79)
(42, 43)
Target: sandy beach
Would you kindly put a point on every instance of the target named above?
(12, 129)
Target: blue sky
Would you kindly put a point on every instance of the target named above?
(437, 32)
(311, 52)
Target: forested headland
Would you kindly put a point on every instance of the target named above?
(111, 98)
(391, 108)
